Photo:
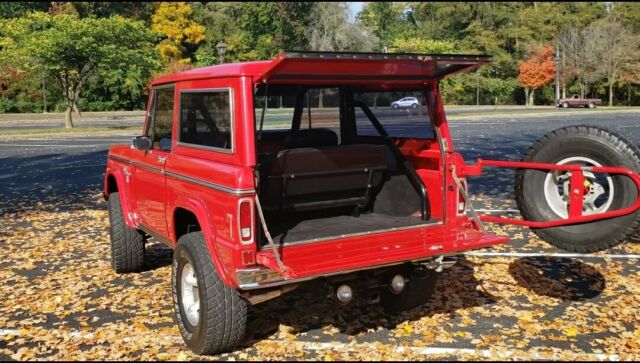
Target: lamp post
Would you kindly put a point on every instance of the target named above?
(44, 94)
(556, 61)
(222, 49)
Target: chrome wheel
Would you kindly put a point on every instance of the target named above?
(598, 194)
(189, 294)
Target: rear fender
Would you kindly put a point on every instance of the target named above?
(197, 207)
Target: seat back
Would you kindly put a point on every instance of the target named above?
(317, 178)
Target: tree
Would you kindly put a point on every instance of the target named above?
(72, 50)
(173, 19)
(331, 31)
(537, 71)
(386, 20)
(617, 48)
(10, 9)
(418, 45)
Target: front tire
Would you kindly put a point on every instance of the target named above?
(127, 244)
(539, 199)
(565, 105)
(395, 106)
(211, 316)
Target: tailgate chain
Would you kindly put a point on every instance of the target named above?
(281, 265)
(474, 214)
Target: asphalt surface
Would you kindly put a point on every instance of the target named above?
(70, 165)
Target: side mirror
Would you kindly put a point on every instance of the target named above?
(141, 143)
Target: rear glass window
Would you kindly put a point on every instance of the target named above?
(205, 119)
(402, 114)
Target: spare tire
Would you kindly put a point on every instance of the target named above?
(542, 195)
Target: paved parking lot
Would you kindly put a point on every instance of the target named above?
(522, 300)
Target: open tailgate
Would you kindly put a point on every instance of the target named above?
(374, 68)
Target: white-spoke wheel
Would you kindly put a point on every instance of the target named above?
(598, 192)
(189, 294)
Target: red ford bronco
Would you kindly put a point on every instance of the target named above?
(264, 175)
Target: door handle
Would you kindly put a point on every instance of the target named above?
(161, 159)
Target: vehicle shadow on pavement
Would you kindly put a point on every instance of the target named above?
(564, 278)
(309, 312)
(156, 255)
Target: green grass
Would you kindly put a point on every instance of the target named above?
(62, 130)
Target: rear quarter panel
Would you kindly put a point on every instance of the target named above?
(210, 182)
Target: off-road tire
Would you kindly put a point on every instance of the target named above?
(607, 148)
(127, 244)
(417, 292)
(223, 312)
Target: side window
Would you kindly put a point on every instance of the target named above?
(162, 118)
(205, 119)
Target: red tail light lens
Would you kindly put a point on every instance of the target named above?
(245, 218)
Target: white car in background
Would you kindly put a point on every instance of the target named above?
(406, 102)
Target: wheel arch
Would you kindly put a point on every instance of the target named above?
(183, 217)
(113, 182)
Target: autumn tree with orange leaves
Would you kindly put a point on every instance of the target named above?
(536, 71)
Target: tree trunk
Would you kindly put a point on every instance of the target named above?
(375, 101)
(68, 122)
(564, 90)
(629, 94)
(526, 96)
(531, 102)
(320, 98)
(610, 94)
(582, 86)
(280, 101)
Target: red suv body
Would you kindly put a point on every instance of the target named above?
(270, 209)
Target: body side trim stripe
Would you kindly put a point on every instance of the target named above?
(189, 179)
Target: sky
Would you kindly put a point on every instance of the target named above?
(355, 7)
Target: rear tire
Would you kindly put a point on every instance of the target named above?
(602, 146)
(591, 105)
(565, 105)
(221, 317)
(127, 244)
(414, 105)
(419, 289)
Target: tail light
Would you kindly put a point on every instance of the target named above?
(245, 221)
(461, 203)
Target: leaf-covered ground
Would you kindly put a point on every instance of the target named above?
(61, 300)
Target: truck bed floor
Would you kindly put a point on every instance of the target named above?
(291, 231)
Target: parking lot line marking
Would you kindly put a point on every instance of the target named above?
(497, 210)
(33, 145)
(567, 255)
(485, 353)
(76, 166)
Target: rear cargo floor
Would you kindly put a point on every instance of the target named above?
(290, 230)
